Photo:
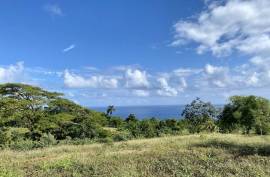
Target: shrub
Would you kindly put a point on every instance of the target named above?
(148, 128)
(24, 145)
(208, 126)
(122, 136)
(47, 139)
(115, 122)
(5, 137)
(102, 133)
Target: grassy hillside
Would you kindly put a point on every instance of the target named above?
(191, 155)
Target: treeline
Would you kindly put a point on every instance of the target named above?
(243, 114)
(32, 117)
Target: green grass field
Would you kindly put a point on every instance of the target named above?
(191, 155)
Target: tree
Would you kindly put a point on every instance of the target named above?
(199, 113)
(110, 110)
(42, 112)
(262, 116)
(132, 125)
(131, 118)
(246, 112)
(262, 123)
(23, 105)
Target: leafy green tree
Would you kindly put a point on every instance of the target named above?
(132, 125)
(262, 123)
(262, 116)
(246, 112)
(23, 105)
(41, 112)
(199, 113)
(229, 119)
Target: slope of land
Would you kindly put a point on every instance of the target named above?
(191, 155)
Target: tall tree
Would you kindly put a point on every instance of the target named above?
(23, 104)
(199, 113)
(41, 112)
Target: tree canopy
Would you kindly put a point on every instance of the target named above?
(40, 111)
(200, 115)
(247, 113)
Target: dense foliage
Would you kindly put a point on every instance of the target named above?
(246, 113)
(32, 117)
(30, 113)
(200, 116)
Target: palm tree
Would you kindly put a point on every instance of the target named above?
(110, 110)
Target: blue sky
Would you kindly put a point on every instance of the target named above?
(137, 52)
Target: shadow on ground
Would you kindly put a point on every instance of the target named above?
(238, 149)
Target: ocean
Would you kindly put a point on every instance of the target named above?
(142, 112)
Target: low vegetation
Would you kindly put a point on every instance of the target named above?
(218, 155)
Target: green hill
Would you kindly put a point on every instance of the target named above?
(191, 155)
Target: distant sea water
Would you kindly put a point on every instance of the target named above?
(142, 112)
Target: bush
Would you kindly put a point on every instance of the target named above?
(18, 133)
(24, 145)
(148, 128)
(115, 122)
(122, 136)
(102, 133)
(208, 126)
(5, 137)
(47, 139)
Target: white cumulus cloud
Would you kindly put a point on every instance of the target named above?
(226, 27)
(12, 73)
(136, 79)
(76, 81)
(233, 25)
(165, 88)
(217, 76)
